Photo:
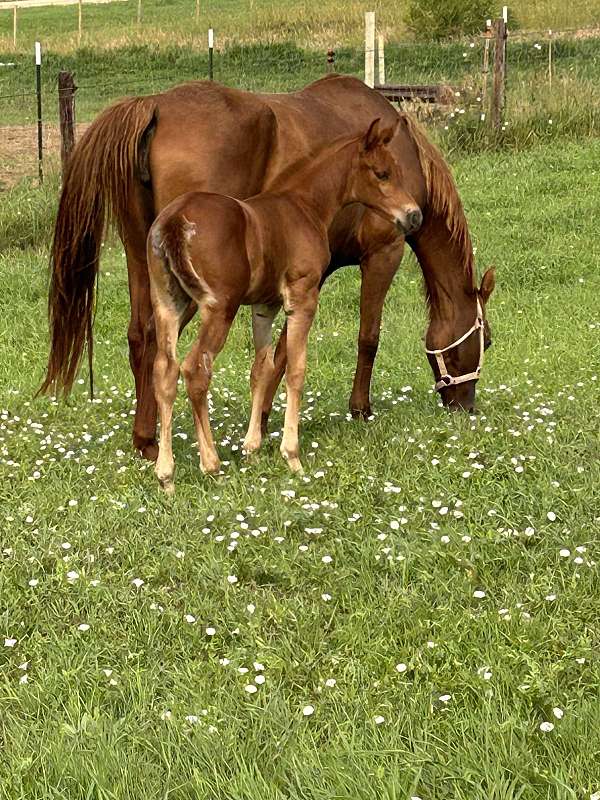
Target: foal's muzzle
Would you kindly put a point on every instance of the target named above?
(409, 220)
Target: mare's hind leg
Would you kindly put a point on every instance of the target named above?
(378, 271)
(197, 369)
(262, 370)
(141, 332)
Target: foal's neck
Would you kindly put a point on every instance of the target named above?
(322, 183)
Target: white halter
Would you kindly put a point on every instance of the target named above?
(450, 380)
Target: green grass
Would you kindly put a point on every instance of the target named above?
(106, 75)
(73, 498)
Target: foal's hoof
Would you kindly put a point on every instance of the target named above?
(250, 446)
(168, 487)
(147, 448)
(293, 462)
(211, 466)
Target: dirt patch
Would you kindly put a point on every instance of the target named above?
(19, 148)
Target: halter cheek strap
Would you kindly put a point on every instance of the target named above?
(451, 380)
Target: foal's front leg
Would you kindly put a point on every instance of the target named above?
(262, 371)
(301, 305)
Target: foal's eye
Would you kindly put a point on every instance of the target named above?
(382, 176)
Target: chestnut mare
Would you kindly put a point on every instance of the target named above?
(213, 252)
(143, 152)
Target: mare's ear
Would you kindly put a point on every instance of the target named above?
(371, 138)
(488, 283)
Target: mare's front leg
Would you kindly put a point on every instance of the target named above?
(277, 373)
(300, 306)
(197, 369)
(378, 270)
(262, 371)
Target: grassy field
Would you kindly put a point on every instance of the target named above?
(429, 588)
(313, 25)
(536, 112)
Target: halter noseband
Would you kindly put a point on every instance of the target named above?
(450, 380)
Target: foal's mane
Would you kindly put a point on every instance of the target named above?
(442, 195)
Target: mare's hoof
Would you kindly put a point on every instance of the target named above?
(361, 413)
(147, 448)
(264, 423)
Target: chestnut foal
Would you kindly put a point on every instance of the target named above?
(218, 253)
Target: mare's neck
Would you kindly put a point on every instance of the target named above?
(448, 270)
(322, 183)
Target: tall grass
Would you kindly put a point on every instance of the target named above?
(330, 23)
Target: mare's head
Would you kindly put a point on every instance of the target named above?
(378, 182)
(455, 352)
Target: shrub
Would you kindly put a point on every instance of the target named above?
(441, 19)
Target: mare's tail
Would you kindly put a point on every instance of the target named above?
(96, 190)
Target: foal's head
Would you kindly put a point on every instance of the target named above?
(456, 365)
(379, 181)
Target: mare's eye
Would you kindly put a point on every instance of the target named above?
(382, 176)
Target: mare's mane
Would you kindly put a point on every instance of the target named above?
(442, 195)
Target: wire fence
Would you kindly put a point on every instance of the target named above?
(539, 64)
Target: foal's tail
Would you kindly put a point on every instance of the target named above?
(170, 239)
(96, 190)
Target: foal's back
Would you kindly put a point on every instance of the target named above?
(240, 248)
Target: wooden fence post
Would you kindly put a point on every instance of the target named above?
(330, 60)
(370, 48)
(40, 124)
(499, 88)
(381, 59)
(486, 65)
(80, 22)
(66, 115)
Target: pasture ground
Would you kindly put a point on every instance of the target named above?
(430, 587)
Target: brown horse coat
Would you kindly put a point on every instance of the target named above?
(143, 152)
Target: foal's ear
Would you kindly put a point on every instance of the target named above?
(378, 135)
(387, 134)
(488, 283)
(371, 138)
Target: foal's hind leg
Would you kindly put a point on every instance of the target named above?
(197, 370)
(166, 373)
(262, 371)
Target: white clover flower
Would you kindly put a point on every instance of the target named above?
(308, 711)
